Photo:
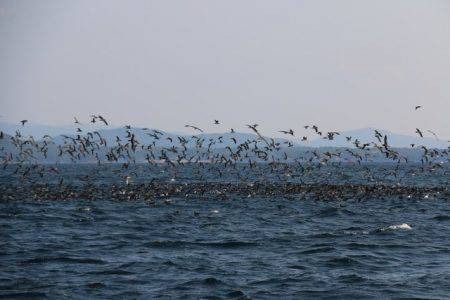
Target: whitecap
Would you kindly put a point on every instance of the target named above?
(403, 226)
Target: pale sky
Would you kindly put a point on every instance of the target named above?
(282, 64)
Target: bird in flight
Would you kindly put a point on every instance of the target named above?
(419, 132)
(417, 107)
(194, 127)
(103, 120)
(23, 122)
(434, 134)
(216, 122)
(290, 131)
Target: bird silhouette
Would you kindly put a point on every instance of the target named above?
(194, 127)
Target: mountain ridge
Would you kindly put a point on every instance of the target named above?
(364, 135)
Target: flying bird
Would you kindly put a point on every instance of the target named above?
(194, 127)
(433, 133)
(419, 132)
(290, 131)
(103, 120)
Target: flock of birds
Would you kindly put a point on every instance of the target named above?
(255, 159)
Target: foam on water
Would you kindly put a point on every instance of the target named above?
(403, 226)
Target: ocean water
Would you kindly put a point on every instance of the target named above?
(241, 246)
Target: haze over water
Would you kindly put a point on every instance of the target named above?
(341, 65)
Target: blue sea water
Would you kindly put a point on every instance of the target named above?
(260, 247)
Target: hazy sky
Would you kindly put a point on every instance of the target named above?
(283, 64)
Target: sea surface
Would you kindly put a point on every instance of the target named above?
(239, 247)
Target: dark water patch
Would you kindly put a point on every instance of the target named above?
(297, 267)
(328, 212)
(236, 294)
(23, 295)
(211, 281)
(111, 272)
(351, 278)
(323, 235)
(342, 262)
(229, 244)
(63, 260)
(127, 295)
(359, 246)
(182, 244)
(318, 250)
(202, 282)
(95, 285)
(441, 218)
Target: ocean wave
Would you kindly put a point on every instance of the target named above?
(318, 250)
(402, 226)
(180, 244)
(442, 218)
(63, 259)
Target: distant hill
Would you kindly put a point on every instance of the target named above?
(366, 135)
(39, 130)
(7, 148)
(167, 139)
(143, 136)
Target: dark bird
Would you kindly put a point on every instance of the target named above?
(330, 135)
(23, 122)
(216, 122)
(290, 131)
(419, 132)
(103, 120)
(417, 107)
